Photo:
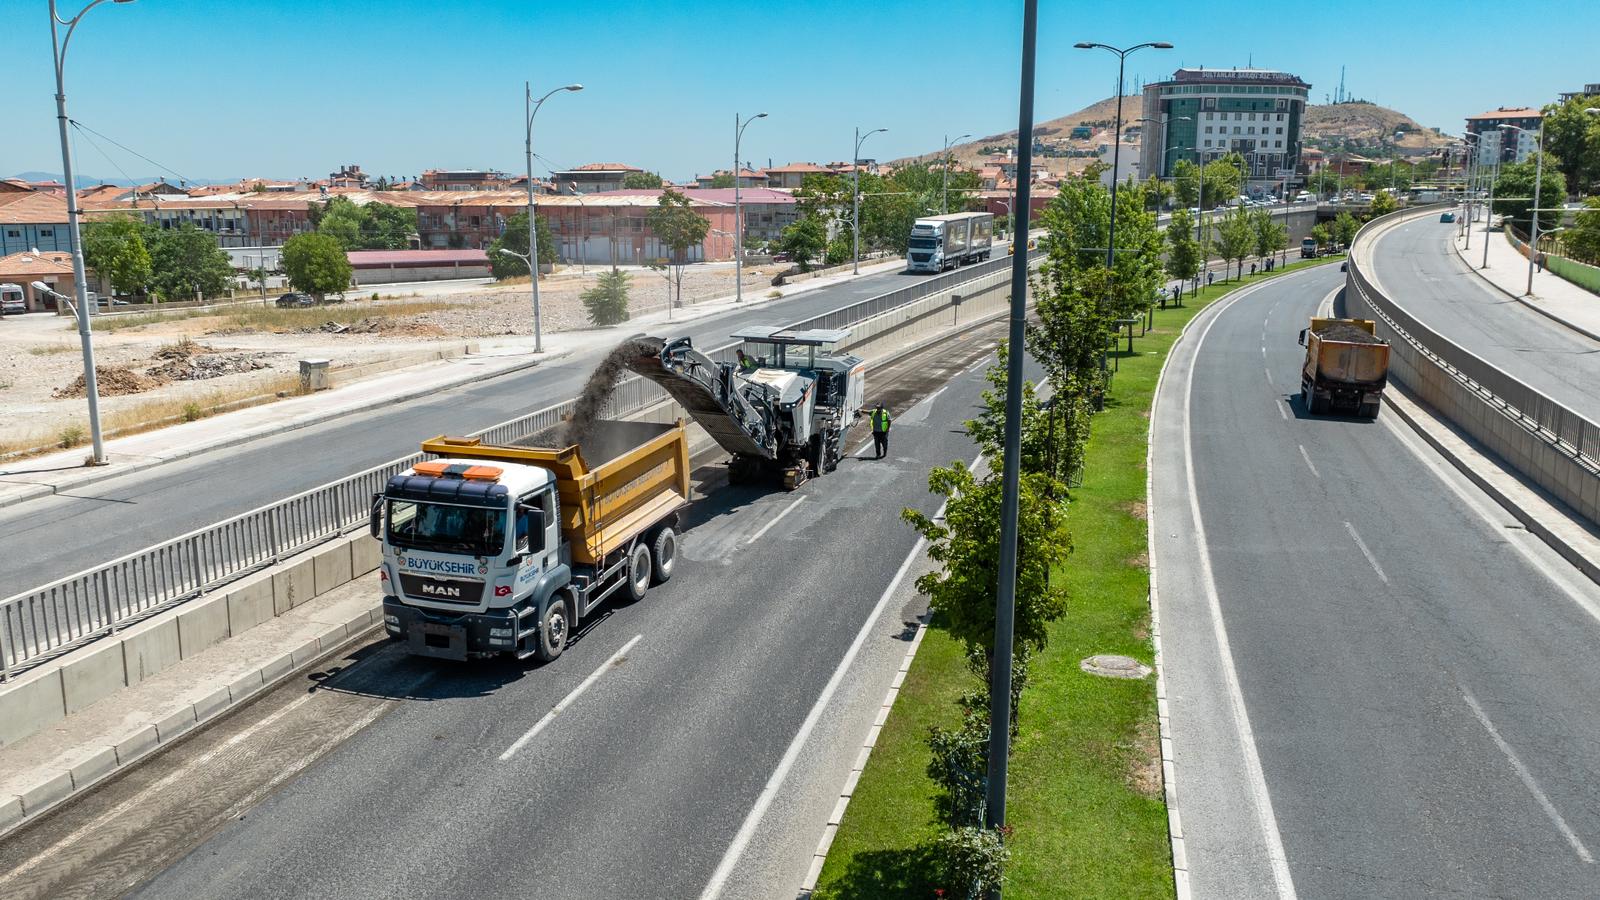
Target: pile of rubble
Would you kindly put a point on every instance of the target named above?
(110, 381)
(191, 361)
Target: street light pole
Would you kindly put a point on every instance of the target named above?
(1488, 211)
(994, 813)
(80, 288)
(944, 161)
(1116, 146)
(531, 109)
(855, 200)
(738, 220)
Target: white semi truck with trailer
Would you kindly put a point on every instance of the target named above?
(946, 242)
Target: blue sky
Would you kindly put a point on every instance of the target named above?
(291, 88)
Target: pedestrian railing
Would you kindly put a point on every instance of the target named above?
(47, 621)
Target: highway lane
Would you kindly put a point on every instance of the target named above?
(56, 536)
(639, 786)
(1416, 265)
(1380, 685)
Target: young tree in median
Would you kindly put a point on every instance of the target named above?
(678, 227)
(1236, 236)
(114, 248)
(186, 262)
(515, 237)
(316, 264)
(804, 240)
(1183, 251)
(1186, 183)
(1323, 235)
(1270, 235)
(607, 301)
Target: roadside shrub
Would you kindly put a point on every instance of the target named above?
(193, 411)
(974, 860)
(960, 766)
(607, 301)
(71, 436)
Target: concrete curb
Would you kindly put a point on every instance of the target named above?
(146, 740)
(95, 475)
(1592, 335)
(1411, 411)
(820, 856)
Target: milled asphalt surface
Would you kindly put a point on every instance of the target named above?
(1359, 686)
(1419, 269)
(639, 787)
(52, 537)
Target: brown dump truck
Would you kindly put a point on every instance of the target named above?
(1345, 369)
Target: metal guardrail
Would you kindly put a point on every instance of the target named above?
(48, 621)
(1571, 432)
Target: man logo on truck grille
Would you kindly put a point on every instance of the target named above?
(447, 591)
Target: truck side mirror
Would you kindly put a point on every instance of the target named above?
(375, 521)
(1302, 337)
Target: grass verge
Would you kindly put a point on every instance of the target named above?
(1085, 795)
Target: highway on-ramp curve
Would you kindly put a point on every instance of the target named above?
(1415, 265)
(1379, 684)
(52, 537)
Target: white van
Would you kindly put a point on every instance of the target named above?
(12, 301)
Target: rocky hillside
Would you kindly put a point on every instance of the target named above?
(1356, 126)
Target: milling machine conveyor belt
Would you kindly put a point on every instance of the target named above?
(709, 392)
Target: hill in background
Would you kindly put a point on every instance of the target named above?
(1356, 126)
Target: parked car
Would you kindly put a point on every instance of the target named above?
(295, 299)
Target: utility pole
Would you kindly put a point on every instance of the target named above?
(1116, 145)
(855, 200)
(944, 162)
(994, 814)
(738, 219)
(531, 109)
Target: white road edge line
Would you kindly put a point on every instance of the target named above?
(1371, 560)
(1282, 410)
(758, 811)
(1255, 775)
(1528, 780)
(569, 699)
(773, 521)
(1307, 457)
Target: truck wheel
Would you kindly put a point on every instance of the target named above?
(1319, 407)
(663, 554)
(554, 629)
(638, 573)
(1370, 410)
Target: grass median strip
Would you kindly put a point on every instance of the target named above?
(1085, 795)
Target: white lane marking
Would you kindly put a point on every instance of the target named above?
(773, 521)
(1371, 560)
(1282, 405)
(1307, 457)
(747, 830)
(1268, 373)
(1528, 780)
(569, 699)
(929, 398)
(195, 764)
(1254, 775)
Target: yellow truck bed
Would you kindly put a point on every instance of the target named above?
(639, 476)
(1346, 361)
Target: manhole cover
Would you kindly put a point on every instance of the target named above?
(1112, 666)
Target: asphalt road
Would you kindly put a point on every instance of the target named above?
(637, 789)
(1380, 685)
(1416, 266)
(55, 536)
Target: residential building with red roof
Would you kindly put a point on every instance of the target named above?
(52, 268)
(1504, 144)
(593, 178)
(33, 220)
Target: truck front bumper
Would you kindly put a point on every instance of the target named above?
(450, 636)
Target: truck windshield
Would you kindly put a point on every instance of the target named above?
(474, 530)
(924, 243)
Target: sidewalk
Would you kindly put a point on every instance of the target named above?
(51, 473)
(1552, 296)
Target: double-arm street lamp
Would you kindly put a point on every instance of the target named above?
(855, 200)
(531, 108)
(944, 163)
(59, 42)
(1533, 214)
(1116, 147)
(738, 219)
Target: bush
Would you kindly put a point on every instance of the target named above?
(974, 861)
(607, 301)
(193, 411)
(72, 436)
